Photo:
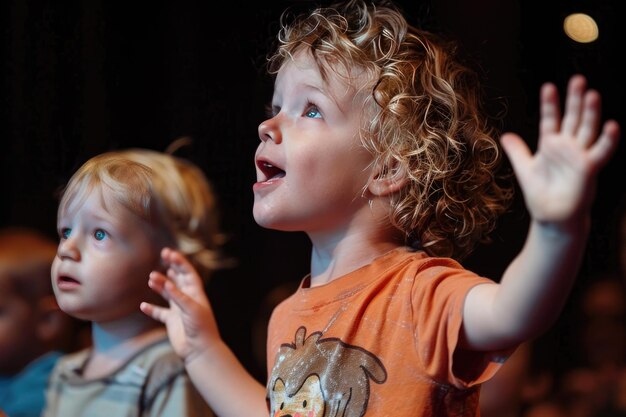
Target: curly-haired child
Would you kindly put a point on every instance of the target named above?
(377, 148)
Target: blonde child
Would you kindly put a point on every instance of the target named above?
(34, 332)
(376, 148)
(116, 214)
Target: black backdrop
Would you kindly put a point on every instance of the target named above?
(80, 78)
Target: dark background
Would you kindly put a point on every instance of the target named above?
(81, 78)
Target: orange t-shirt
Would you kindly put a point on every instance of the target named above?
(379, 341)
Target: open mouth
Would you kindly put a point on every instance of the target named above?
(270, 171)
(66, 282)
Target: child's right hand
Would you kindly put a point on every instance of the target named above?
(190, 321)
(558, 181)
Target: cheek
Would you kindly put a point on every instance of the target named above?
(134, 270)
(139, 254)
(344, 164)
(55, 267)
(127, 274)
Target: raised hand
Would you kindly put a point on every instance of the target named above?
(558, 180)
(189, 319)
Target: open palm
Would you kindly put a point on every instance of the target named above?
(558, 181)
(189, 318)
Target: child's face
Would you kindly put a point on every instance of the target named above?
(103, 260)
(311, 167)
(18, 321)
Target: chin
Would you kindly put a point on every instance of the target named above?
(77, 314)
(268, 218)
(272, 224)
(71, 308)
(266, 224)
(263, 219)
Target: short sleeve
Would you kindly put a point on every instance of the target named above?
(438, 296)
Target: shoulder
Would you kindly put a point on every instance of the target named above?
(404, 261)
(427, 273)
(159, 361)
(72, 361)
(167, 385)
(162, 368)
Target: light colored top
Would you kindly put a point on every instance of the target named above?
(153, 383)
(379, 341)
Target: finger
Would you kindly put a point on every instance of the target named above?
(157, 275)
(177, 261)
(156, 312)
(173, 258)
(550, 112)
(183, 277)
(573, 105)
(174, 295)
(602, 150)
(590, 123)
(180, 260)
(178, 266)
(183, 272)
(156, 282)
(191, 285)
(517, 151)
(165, 256)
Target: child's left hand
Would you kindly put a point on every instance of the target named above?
(558, 181)
(190, 322)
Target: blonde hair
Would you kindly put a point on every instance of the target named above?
(427, 119)
(162, 189)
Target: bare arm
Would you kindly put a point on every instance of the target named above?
(215, 371)
(558, 183)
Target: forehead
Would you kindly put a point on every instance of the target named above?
(93, 196)
(332, 79)
(102, 204)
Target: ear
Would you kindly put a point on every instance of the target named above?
(387, 179)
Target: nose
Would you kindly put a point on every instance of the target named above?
(68, 249)
(269, 130)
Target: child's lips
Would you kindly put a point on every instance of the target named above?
(65, 282)
(268, 171)
(265, 184)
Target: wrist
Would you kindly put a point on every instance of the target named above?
(205, 354)
(575, 227)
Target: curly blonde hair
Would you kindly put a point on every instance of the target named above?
(427, 119)
(165, 190)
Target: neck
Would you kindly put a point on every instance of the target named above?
(114, 343)
(113, 335)
(333, 257)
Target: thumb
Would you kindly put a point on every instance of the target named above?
(517, 151)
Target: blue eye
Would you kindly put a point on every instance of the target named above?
(100, 234)
(65, 232)
(312, 112)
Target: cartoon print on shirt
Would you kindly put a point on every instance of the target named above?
(316, 377)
